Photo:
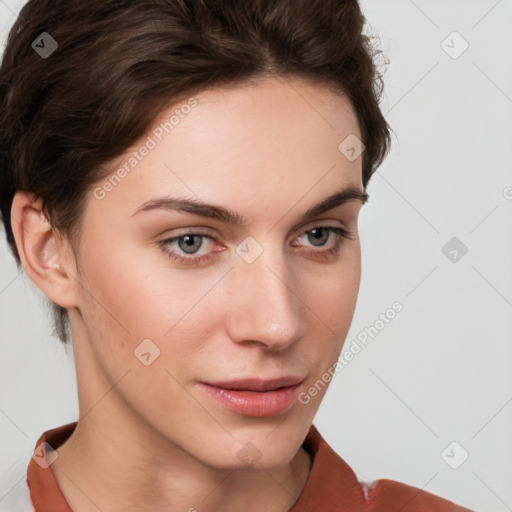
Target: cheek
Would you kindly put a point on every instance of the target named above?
(330, 299)
(124, 296)
(135, 315)
(130, 299)
(332, 293)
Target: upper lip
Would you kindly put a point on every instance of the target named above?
(257, 384)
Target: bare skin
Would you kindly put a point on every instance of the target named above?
(148, 437)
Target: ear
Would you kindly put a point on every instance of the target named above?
(48, 259)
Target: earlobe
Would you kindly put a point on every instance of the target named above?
(40, 250)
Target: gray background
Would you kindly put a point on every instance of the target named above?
(440, 371)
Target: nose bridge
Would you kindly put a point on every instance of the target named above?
(265, 306)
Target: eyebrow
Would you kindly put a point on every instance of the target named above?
(232, 217)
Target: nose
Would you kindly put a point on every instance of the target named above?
(265, 304)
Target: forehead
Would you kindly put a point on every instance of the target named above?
(250, 144)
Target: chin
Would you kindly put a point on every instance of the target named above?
(260, 449)
(250, 459)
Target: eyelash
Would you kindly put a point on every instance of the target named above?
(341, 234)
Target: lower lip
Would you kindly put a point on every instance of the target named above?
(254, 403)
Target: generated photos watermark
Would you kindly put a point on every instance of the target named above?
(356, 346)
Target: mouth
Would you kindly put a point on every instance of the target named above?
(254, 396)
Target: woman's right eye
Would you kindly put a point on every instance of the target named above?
(187, 243)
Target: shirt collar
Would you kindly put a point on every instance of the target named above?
(44, 491)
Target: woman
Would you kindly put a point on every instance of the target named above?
(183, 180)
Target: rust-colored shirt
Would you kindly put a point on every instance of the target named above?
(331, 486)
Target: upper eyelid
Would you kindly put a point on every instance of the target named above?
(205, 231)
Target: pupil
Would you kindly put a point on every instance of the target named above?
(189, 241)
(316, 236)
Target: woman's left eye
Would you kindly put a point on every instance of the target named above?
(190, 243)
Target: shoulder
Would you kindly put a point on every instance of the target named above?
(333, 485)
(384, 495)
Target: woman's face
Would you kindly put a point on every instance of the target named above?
(171, 301)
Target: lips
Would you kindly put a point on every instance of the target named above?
(254, 396)
(257, 384)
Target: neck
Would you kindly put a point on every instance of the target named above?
(100, 466)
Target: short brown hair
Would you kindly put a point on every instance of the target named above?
(118, 63)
